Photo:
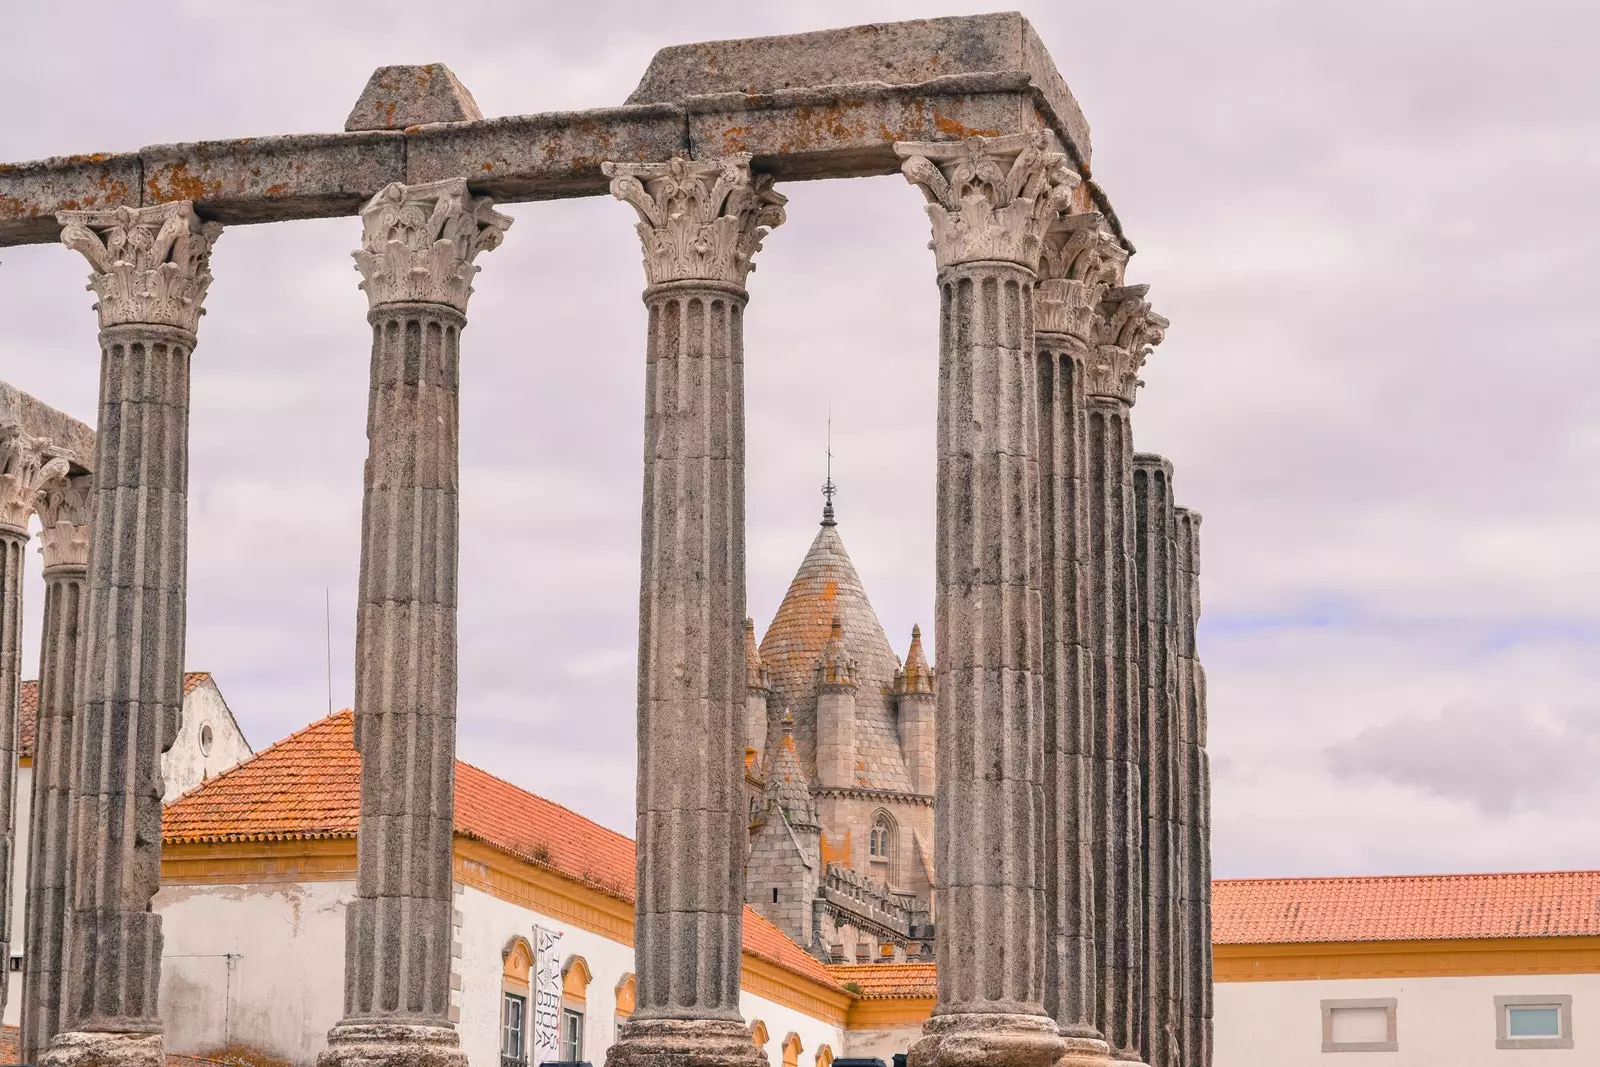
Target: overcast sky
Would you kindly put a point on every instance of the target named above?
(1371, 223)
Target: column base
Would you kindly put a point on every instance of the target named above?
(685, 1043)
(1085, 1052)
(392, 1045)
(94, 1048)
(988, 1039)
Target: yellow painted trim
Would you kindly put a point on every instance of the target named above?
(488, 870)
(24, 761)
(883, 1013)
(1457, 958)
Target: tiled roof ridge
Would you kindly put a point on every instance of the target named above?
(1327, 879)
(540, 796)
(326, 720)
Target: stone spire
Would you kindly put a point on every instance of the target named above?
(757, 689)
(150, 268)
(62, 504)
(786, 789)
(990, 201)
(836, 667)
(837, 729)
(916, 704)
(416, 259)
(700, 224)
(784, 868)
(916, 676)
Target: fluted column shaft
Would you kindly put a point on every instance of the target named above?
(1194, 809)
(700, 224)
(1161, 757)
(63, 511)
(416, 260)
(989, 202)
(13, 546)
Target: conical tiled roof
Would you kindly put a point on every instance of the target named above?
(827, 586)
(786, 783)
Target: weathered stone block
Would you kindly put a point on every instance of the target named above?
(31, 193)
(41, 421)
(259, 179)
(400, 96)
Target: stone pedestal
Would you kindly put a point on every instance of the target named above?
(150, 268)
(63, 508)
(990, 202)
(1081, 260)
(418, 247)
(700, 223)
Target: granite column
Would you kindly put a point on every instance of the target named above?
(150, 268)
(700, 224)
(1161, 756)
(990, 201)
(1194, 809)
(62, 505)
(1125, 330)
(416, 258)
(1080, 262)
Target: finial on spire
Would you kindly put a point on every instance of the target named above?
(828, 488)
(788, 723)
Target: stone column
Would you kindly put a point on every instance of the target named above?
(1125, 330)
(700, 223)
(1161, 755)
(990, 201)
(416, 258)
(22, 462)
(1081, 261)
(63, 508)
(1194, 803)
(150, 268)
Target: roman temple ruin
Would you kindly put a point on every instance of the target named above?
(1061, 732)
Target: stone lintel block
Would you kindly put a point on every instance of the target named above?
(262, 179)
(411, 95)
(31, 193)
(890, 54)
(37, 419)
(548, 156)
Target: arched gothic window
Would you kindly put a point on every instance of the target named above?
(881, 841)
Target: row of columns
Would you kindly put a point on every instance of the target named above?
(1066, 845)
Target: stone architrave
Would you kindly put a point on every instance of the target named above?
(150, 268)
(418, 247)
(1194, 808)
(1125, 331)
(990, 201)
(700, 223)
(1161, 757)
(1080, 262)
(62, 504)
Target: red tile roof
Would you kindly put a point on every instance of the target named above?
(888, 981)
(308, 786)
(28, 709)
(1406, 908)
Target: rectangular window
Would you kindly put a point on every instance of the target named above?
(1533, 1022)
(571, 1034)
(1360, 1025)
(513, 1027)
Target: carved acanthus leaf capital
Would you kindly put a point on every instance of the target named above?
(62, 501)
(149, 265)
(418, 242)
(1081, 261)
(1126, 330)
(990, 198)
(699, 220)
(27, 464)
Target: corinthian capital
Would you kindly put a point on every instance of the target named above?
(149, 265)
(26, 463)
(418, 242)
(1126, 329)
(699, 220)
(989, 198)
(62, 502)
(1081, 261)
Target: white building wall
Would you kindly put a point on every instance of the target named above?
(189, 762)
(782, 1021)
(1438, 1021)
(257, 965)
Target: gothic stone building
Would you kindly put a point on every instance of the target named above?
(839, 764)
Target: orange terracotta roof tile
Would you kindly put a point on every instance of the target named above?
(28, 709)
(883, 981)
(1406, 908)
(308, 786)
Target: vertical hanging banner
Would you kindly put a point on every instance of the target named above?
(546, 995)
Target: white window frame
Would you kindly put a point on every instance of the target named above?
(521, 1028)
(1390, 1045)
(1502, 1021)
(574, 1050)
